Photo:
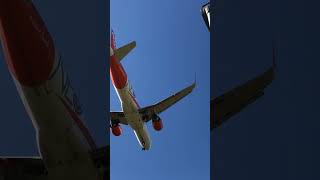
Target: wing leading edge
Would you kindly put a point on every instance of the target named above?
(149, 112)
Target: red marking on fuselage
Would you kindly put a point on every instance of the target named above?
(75, 117)
(118, 75)
(28, 47)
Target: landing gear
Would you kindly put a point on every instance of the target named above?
(143, 144)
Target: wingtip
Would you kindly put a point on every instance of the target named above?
(134, 43)
(193, 85)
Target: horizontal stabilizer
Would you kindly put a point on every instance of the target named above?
(120, 53)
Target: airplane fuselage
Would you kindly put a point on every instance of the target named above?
(129, 105)
(64, 142)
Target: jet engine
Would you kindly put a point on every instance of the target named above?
(116, 129)
(157, 123)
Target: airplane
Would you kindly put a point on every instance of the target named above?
(131, 113)
(66, 148)
(223, 107)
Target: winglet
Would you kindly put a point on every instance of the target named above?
(192, 86)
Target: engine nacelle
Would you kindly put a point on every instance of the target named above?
(157, 123)
(116, 129)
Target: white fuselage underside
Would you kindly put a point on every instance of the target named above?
(131, 111)
(62, 144)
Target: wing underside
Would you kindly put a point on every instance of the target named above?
(149, 112)
(230, 103)
(118, 117)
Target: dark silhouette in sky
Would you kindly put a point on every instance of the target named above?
(277, 136)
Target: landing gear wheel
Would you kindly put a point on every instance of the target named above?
(143, 144)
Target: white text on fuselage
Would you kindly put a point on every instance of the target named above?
(60, 83)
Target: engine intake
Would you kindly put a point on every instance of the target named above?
(157, 123)
(116, 129)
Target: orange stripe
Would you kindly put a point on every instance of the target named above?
(118, 75)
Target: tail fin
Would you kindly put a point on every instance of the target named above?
(113, 40)
(122, 51)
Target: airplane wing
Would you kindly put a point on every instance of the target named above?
(228, 104)
(118, 117)
(27, 168)
(148, 112)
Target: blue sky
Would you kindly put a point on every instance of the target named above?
(172, 48)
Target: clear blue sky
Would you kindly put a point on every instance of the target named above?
(172, 46)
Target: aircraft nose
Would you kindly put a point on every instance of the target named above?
(27, 45)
